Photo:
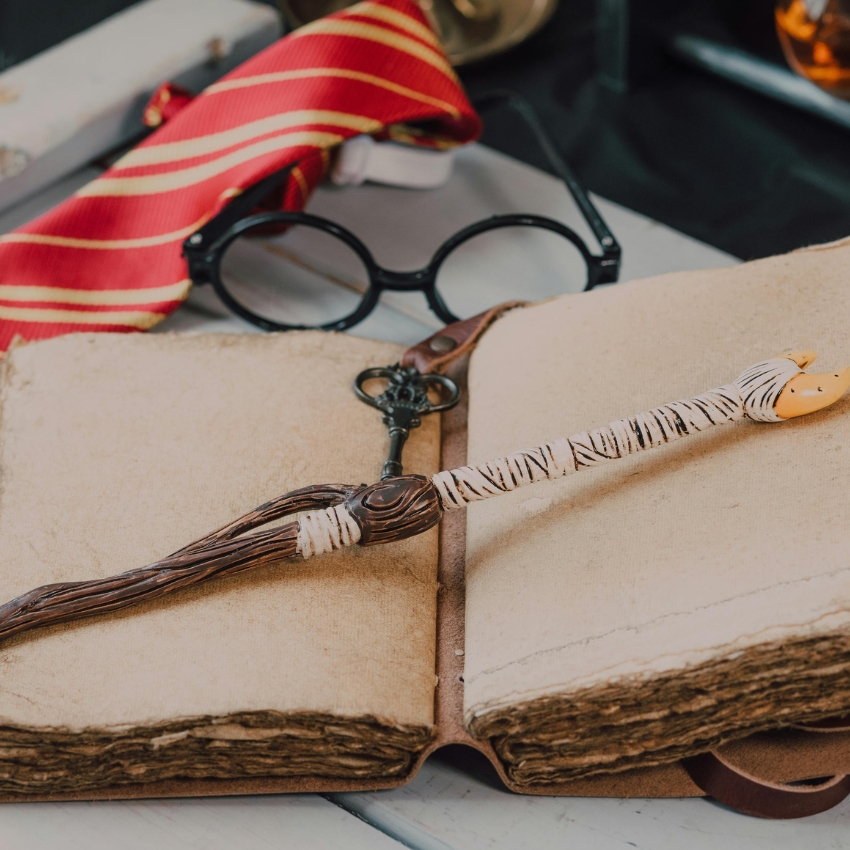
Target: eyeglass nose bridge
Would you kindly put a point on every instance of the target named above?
(392, 281)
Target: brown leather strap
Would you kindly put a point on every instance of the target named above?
(453, 341)
(746, 793)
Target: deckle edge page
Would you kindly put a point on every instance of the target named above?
(731, 539)
(116, 450)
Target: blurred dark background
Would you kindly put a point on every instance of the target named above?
(733, 168)
(29, 26)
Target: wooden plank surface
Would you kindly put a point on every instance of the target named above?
(446, 806)
(301, 822)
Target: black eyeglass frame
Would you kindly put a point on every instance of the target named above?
(205, 248)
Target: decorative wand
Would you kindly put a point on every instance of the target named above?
(402, 506)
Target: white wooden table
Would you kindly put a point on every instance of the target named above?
(444, 807)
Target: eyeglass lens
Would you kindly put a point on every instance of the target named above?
(508, 264)
(300, 276)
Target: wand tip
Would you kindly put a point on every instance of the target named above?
(807, 393)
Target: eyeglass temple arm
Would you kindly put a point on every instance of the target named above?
(200, 242)
(608, 269)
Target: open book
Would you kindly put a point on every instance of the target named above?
(612, 623)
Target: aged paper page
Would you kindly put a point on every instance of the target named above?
(725, 540)
(117, 450)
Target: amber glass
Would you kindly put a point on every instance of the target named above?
(815, 36)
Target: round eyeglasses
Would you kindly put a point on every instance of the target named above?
(331, 281)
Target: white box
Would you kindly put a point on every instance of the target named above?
(84, 97)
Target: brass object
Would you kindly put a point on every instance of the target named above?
(470, 30)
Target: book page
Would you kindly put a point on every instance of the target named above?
(732, 538)
(118, 450)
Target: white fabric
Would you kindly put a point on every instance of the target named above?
(362, 158)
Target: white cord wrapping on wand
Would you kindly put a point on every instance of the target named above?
(752, 395)
(760, 385)
(325, 530)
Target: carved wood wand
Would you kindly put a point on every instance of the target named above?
(341, 515)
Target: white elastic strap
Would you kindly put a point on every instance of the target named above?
(362, 158)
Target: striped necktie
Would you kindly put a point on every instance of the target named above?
(109, 258)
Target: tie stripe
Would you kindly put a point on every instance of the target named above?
(397, 19)
(115, 320)
(378, 35)
(219, 142)
(109, 258)
(335, 73)
(170, 181)
(100, 244)
(102, 297)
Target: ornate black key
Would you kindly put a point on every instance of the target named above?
(403, 403)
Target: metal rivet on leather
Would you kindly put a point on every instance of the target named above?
(442, 344)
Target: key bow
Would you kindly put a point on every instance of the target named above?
(403, 402)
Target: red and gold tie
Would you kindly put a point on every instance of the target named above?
(109, 258)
